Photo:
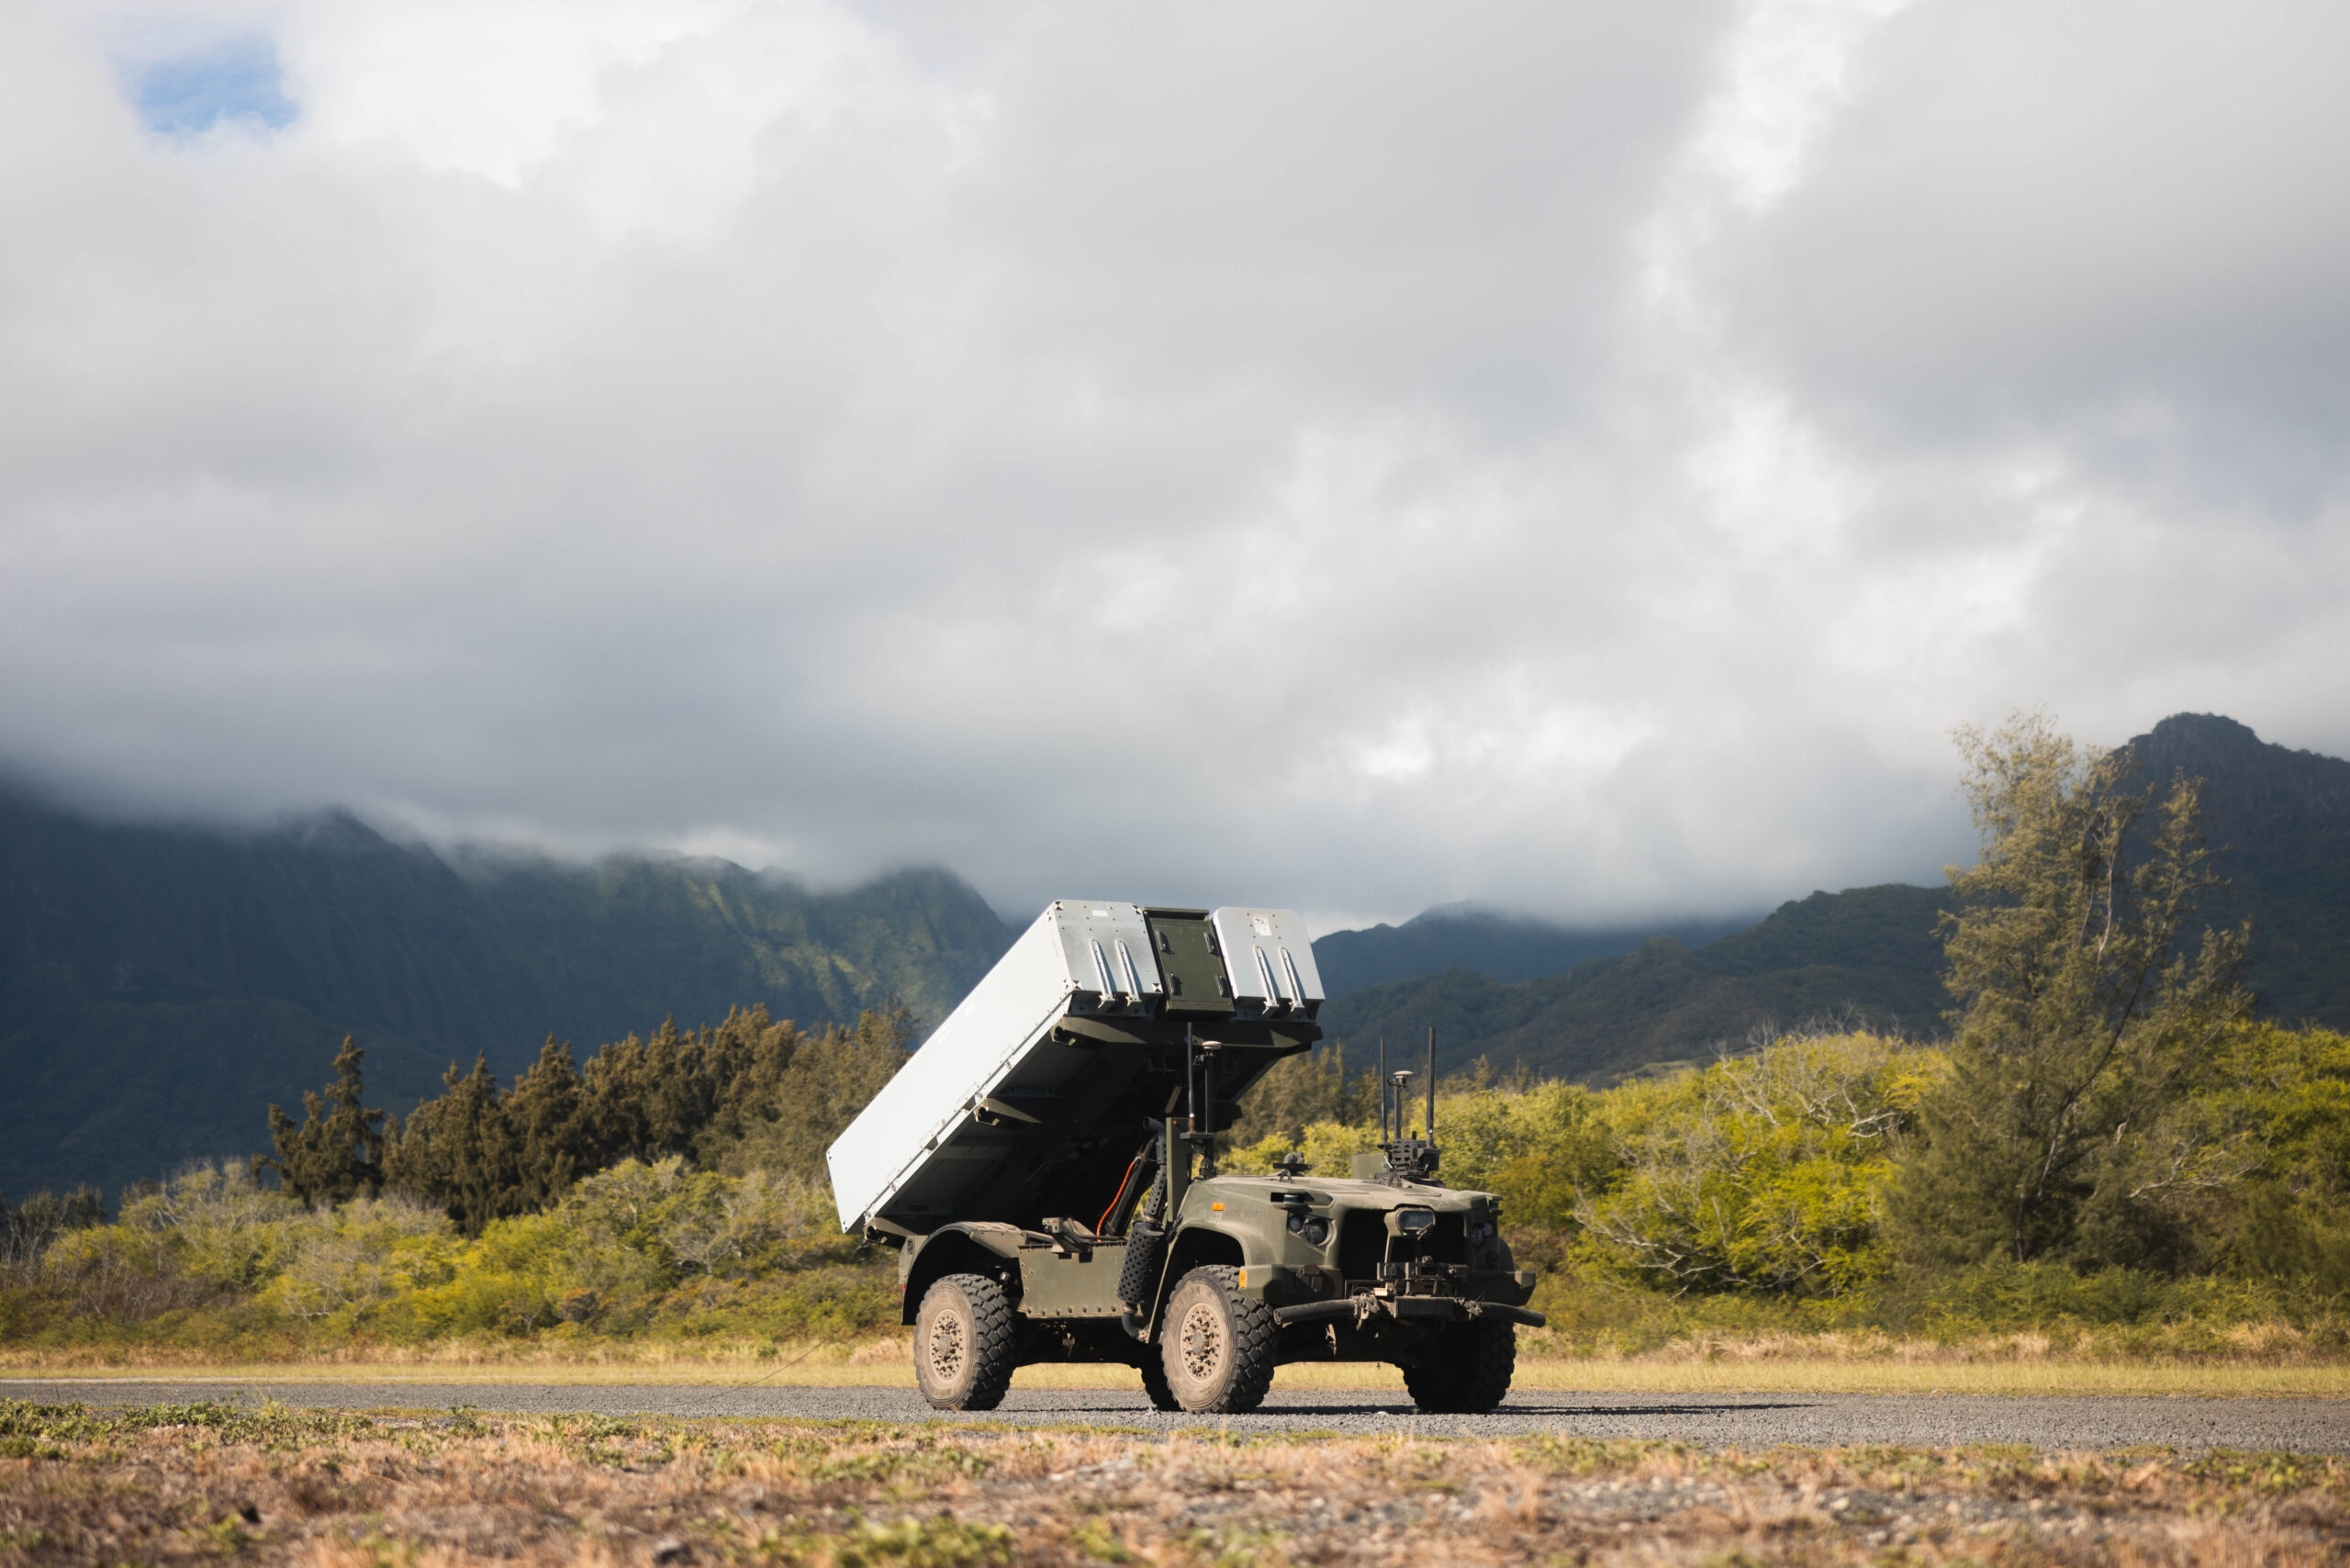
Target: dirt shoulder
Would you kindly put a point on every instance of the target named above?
(189, 1483)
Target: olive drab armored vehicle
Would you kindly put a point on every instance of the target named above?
(1045, 1166)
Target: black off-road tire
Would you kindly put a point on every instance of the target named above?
(963, 1343)
(1465, 1370)
(1215, 1344)
(1153, 1383)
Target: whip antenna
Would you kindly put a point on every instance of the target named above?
(1431, 1083)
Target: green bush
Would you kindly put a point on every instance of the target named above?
(1767, 1177)
(656, 1249)
(1521, 1142)
(1744, 1198)
(1763, 1172)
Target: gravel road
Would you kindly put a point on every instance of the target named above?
(1750, 1420)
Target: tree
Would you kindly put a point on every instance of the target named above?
(484, 1151)
(544, 1122)
(830, 1077)
(336, 1150)
(1293, 1093)
(2086, 1017)
(458, 1150)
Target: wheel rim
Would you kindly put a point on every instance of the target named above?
(1202, 1342)
(946, 1348)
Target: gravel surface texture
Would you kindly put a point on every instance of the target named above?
(1752, 1420)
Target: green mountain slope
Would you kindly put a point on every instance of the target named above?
(1866, 952)
(160, 984)
(637, 938)
(1499, 947)
(2280, 820)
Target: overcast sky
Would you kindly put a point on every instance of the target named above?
(1580, 457)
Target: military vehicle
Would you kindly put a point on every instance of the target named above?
(1045, 1165)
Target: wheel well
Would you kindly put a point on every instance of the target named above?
(1194, 1249)
(1197, 1249)
(952, 1252)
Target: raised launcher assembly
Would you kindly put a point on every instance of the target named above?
(1030, 1100)
(1044, 1164)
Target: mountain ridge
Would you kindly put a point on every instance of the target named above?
(1508, 947)
(160, 984)
(2277, 819)
(1861, 954)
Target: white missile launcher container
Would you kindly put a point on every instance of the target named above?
(1069, 1018)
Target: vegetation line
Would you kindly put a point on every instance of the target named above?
(2111, 1161)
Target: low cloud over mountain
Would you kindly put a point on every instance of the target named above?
(1578, 456)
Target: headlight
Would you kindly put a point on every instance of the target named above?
(1317, 1231)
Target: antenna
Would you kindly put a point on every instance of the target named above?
(1411, 1156)
(1190, 1080)
(1199, 1092)
(1206, 1133)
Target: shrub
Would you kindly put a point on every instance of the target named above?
(223, 1226)
(342, 1260)
(1763, 1172)
(27, 1230)
(638, 1245)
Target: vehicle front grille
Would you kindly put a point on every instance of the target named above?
(1362, 1243)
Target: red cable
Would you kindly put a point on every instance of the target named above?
(1102, 1225)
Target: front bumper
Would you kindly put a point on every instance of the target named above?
(1413, 1309)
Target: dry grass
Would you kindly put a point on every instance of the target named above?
(2010, 1365)
(337, 1491)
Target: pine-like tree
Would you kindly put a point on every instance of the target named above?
(484, 1152)
(458, 1150)
(2088, 1015)
(1295, 1093)
(336, 1152)
(828, 1080)
(546, 1125)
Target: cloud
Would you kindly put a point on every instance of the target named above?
(1578, 457)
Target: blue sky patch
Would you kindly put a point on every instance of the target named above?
(190, 94)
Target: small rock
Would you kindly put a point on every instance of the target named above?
(668, 1549)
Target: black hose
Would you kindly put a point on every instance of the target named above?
(1138, 1275)
(1314, 1312)
(1115, 1218)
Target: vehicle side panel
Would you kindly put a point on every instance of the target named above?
(1071, 1285)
